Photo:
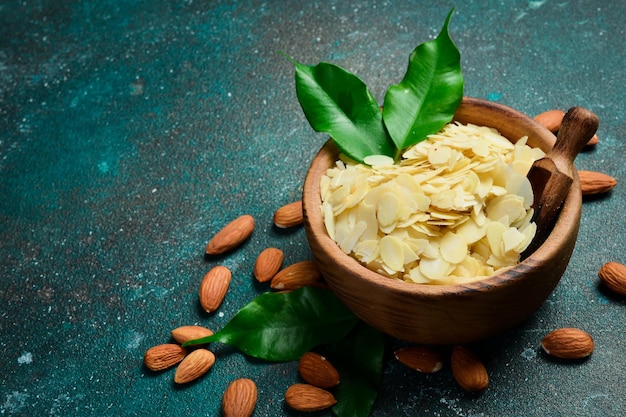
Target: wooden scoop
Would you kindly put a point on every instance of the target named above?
(551, 176)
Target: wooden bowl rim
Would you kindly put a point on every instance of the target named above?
(567, 222)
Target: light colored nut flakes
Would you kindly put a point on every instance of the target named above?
(455, 209)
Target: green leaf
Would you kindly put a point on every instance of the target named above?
(283, 326)
(359, 360)
(428, 95)
(337, 102)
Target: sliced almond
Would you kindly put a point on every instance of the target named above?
(300, 274)
(184, 334)
(240, 398)
(469, 372)
(289, 215)
(161, 357)
(195, 364)
(306, 397)
(568, 343)
(613, 276)
(317, 371)
(592, 182)
(420, 358)
(231, 236)
(213, 288)
(268, 263)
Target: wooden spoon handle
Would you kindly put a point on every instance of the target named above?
(578, 126)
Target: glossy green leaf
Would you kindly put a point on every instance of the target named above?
(359, 360)
(337, 102)
(283, 326)
(428, 95)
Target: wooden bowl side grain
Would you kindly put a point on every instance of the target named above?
(447, 314)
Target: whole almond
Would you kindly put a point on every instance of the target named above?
(195, 364)
(306, 397)
(592, 182)
(239, 399)
(467, 369)
(289, 215)
(420, 358)
(568, 343)
(213, 288)
(268, 263)
(613, 276)
(300, 274)
(550, 119)
(161, 357)
(593, 141)
(184, 334)
(317, 371)
(231, 236)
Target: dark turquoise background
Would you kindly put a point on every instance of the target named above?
(131, 131)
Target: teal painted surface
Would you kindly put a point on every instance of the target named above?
(130, 131)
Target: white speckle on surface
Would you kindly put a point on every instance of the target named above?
(590, 400)
(520, 17)
(25, 358)
(529, 354)
(103, 167)
(220, 314)
(14, 402)
(534, 5)
(134, 339)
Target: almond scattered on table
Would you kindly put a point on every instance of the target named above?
(195, 364)
(231, 236)
(268, 263)
(316, 370)
(468, 370)
(163, 356)
(613, 276)
(420, 358)
(306, 397)
(240, 398)
(568, 343)
(213, 288)
(593, 141)
(289, 215)
(300, 274)
(550, 119)
(184, 334)
(593, 182)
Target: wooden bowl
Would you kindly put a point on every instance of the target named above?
(447, 314)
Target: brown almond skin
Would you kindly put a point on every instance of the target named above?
(316, 370)
(195, 364)
(300, 274)
(268, 263)
(289, 215)
(164, 356)
(613, 276)
(231, 235)
(240, 398)
(420, 358)
(568, 343)
(593, 183)
(184, 334)
(213, 288)
(550, 119)
(593, 141)
(467, 369)
(306, 397)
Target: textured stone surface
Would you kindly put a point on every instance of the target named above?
(132, 130)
